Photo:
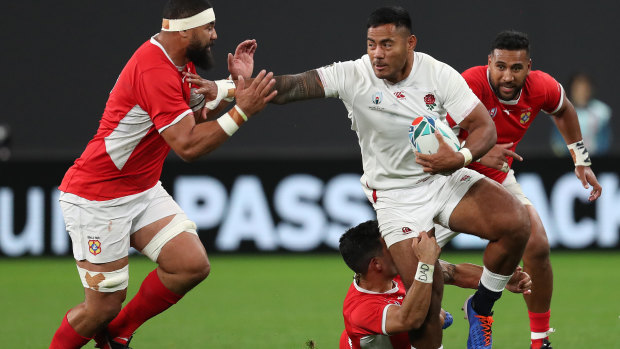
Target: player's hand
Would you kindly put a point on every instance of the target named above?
(426, 249)
(254, 98)
(203, 86)
(496, 157)
(444, 161)
(242, 62)
(587, 178)
(520, 282)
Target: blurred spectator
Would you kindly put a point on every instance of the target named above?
(5, 140)
(593, 117)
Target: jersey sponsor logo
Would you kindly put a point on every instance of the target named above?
(465, 178)
(406, 230)
(377, 97)
(429, 100)
(94, 247)
(524, 118)
(399, 94)
(493, 112)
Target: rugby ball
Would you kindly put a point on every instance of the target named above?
(422, 135)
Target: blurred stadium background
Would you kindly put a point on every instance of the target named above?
(271, 203)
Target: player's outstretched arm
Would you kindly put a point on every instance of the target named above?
(412, 312)
(467, 275)
(566, 121)
(298, 87)
(190, 140)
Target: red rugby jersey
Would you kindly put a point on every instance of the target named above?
(513, 118)
(364, 318)
(126, 155)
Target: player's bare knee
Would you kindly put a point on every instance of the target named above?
(537, 250)
(102, 312)
(199, 270)
(519, 229)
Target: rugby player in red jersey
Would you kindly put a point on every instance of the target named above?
(514, 94)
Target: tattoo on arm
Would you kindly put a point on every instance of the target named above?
(448, 270)
(298, 87)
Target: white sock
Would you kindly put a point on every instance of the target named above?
(494, 282)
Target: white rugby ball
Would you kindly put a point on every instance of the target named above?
(422, 135)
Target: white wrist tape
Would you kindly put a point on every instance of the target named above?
(223, 91)
(177, 25)
(231, 98)
(228, 124)
(245, 117)
(425, 273)
(467, 154)
(579, 153)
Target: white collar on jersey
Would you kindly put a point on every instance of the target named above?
(363, 290)
(156, 43)
(511, 102)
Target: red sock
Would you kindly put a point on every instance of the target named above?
(152, 298)
(539, 322)
(66, 337)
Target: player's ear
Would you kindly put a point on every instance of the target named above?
(375, 264)
(412, 41)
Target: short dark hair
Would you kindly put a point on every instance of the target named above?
(360, 244)
(175, 9)
(511, 40)
(390, 15)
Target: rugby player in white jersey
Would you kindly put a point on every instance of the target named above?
(383, 92)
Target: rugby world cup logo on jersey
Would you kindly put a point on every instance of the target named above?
(94, 247)
(377, 97)
(429, 100)
(493, 112)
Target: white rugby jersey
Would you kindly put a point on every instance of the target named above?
(381, 112)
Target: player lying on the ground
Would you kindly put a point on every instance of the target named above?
(377, 308)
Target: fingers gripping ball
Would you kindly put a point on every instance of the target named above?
(422, 135)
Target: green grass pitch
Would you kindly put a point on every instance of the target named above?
(282, 301)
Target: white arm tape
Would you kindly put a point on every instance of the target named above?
(228, 124)
(223, 86)
(425, 273)
(580, 154)
(467, 154)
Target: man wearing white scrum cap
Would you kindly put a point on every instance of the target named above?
(111, 197)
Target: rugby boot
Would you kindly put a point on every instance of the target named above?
(480, 334)
(447, 320)
(545, 344)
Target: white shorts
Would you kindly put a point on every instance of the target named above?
(405, 212)
(444, 234)
(100, 230)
